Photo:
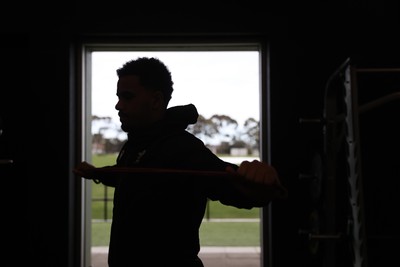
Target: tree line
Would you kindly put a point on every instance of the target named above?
(221, 133)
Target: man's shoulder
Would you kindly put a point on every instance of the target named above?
(182, 137)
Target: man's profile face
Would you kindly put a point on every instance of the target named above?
(135, 104)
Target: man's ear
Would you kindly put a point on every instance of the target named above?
(158, 100)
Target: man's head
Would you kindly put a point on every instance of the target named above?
(153, 75)
(144, 90)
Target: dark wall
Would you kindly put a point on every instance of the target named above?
(13, 171)
(316, 46)
(38, 102)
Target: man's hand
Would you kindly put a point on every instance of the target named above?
(257, 172)
(260, 181)
(85, 170)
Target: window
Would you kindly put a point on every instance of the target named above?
(218, 79)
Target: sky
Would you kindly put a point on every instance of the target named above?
(216, 82)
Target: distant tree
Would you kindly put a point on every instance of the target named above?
(98, 143)
(251, 133)
(226, 127)
(203, 128)
(98, 118)
(224, 148)
(216, 129)
(239, 143)
(101, 143)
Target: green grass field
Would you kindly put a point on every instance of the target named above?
(212, 233)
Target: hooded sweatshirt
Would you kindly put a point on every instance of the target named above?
(157, 216)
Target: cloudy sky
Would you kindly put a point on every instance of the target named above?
(215, 82)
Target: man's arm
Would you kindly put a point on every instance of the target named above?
(258, 181)
(88, 171)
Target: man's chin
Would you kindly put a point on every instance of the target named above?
(128, 128)
(124, 128)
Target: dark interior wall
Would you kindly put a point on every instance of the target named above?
(306, 48)
(315, 48)
(13, 171)
(34, 110)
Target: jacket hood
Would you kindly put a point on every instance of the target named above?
(176, 118)
(182, 116)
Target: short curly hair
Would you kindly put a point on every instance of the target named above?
(153, 74)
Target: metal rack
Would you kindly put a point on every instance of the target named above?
(337, 224)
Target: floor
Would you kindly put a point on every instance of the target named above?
(211, 256)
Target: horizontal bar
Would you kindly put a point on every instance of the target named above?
(378, 70)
